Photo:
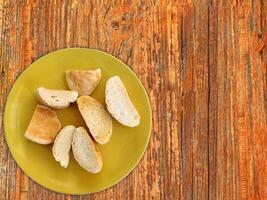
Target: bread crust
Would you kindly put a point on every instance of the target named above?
(83, 81)
(44, 125)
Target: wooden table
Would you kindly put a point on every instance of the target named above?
(203, 64)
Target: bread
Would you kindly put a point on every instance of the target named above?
(43, 126)
(83, 81)
(57, 99)
(62, 145)
(119, 104)
(85, 152)
(96, 117)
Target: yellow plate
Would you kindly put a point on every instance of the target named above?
(120, 155)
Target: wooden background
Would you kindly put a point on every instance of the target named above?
(203, 63)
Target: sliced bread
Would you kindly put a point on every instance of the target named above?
(85, 152)
(83, 81)
(43, 126)
(96, 117)
(62, 145)
(119, 103)
(57, 99)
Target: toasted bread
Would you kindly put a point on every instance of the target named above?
(43, 126)
(119, 103)
(62, 145)
(57, 99)
(85, 152)
(96, 117)
(83, 81)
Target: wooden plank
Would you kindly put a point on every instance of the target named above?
(213, 100)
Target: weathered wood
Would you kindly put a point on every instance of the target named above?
(203, 63)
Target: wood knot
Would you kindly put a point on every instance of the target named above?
(115, 25)
(126, 17)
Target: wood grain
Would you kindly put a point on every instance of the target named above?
(203, 64)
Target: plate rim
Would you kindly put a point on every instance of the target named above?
(131, 168)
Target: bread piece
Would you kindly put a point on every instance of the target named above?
(83, 81)
(119, 104)
(43, 126)
(85, 152)
(57, 99)
(62, 145)
(96, 117)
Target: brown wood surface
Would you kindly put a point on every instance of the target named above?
(203, 63)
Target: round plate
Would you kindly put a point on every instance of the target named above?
(120, 155)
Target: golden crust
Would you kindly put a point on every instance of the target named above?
(43, 126)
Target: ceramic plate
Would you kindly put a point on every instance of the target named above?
(120, 155)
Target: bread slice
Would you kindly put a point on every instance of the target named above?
(62, 145)
(43, 126)
(119, 103)
(83, 81)
(57, 99)
(85, 152)
(96, 117)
